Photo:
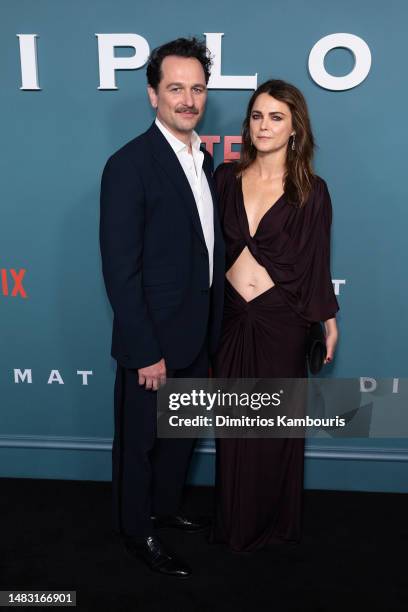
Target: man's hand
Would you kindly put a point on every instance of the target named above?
(153, 376)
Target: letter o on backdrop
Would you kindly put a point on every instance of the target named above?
(362, 61)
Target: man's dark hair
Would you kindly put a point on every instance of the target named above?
(182, 47)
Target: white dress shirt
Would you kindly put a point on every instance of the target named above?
(192, 165)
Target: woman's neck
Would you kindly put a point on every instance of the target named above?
(270, 166)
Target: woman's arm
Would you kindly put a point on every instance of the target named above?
(332, 335)
(330, 324)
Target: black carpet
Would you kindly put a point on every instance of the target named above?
(56, 535)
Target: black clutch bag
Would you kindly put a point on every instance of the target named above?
(316, 348)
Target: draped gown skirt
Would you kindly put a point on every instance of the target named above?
(259, 482)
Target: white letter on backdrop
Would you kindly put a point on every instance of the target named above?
(217, 80)
(19, 375)
(367, 385)
(28, 61)
(362, 61)
(84, 374)
(55, 376)
(336, 283)
(108, 63)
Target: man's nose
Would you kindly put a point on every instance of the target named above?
(188, 98)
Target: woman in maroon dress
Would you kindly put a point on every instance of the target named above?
(276, 216)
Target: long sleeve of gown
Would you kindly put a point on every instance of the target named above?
(317, 300)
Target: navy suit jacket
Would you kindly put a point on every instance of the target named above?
(154, 256)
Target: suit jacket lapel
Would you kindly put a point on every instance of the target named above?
(166, 157)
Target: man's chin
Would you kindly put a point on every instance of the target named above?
(187, 124)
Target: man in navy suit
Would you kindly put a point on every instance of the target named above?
(163, 266)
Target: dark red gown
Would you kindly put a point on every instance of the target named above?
(259, 482)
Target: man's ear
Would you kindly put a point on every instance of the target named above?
(152, 96)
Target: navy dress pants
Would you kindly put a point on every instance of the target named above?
(148, 473)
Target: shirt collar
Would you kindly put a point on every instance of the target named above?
(176, 144)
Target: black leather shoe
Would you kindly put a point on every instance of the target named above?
(152, 552)
(181, 522)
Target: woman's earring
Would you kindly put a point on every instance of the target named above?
(293, 142)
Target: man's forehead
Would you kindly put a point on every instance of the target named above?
(175, 68)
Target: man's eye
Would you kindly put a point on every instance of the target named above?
(175, 89)
(197, 90)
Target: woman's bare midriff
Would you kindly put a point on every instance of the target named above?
(248, 277)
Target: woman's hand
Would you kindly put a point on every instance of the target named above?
(332, 336)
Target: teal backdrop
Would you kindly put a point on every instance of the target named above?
(54, 144)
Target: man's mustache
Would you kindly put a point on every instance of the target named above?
(187, 109)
